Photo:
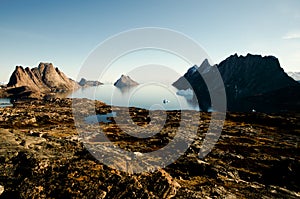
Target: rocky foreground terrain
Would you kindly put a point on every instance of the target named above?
(42, 156)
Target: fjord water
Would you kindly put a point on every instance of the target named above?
(148, 96)
(4, 102)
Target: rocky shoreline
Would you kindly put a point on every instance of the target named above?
(42, 156)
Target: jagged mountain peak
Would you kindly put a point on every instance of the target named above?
(42, 79)
(205, 62)
(249, 81)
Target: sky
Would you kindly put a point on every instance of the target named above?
(66, 32)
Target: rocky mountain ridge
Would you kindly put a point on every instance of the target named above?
(251, 82)
(38, 81)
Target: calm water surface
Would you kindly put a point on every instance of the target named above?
(5, 102)
(148, 96)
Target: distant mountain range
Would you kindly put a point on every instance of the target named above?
(251, 82)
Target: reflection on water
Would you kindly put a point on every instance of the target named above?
(5, 102)
(148, 96)
(59, 95)
(100, 118)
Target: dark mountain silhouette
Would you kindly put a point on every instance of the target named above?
(251, 82)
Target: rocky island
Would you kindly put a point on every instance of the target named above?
(125, 81)
(86, 83)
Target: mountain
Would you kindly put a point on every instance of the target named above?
(85, 83)
(294, 75)
(39, 81)
(251, 82)
(125, 81)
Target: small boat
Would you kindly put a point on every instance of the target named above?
(165, 101)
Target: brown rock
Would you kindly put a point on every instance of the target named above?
(43, 79)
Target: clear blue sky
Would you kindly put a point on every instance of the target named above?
(64, 32)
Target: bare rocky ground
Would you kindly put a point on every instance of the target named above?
(42, 156)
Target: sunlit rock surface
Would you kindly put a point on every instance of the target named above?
(37, 82)
(42, 155)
